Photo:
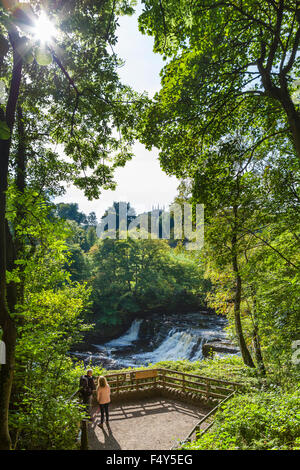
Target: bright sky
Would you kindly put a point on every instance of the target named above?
(141, 182)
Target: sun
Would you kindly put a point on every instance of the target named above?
(44, 30)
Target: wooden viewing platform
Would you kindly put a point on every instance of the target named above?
(193, 386)
(153, 399)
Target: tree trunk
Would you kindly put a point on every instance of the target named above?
(255, 337)
(6, 380)
(257, 351)
(294, 121)
(237, 307)
(6, 321)
(20, 186)
(282, 95)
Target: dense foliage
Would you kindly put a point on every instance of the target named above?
(226, 121)
(52, 319)
(60, 92)
(257, 421)
(265, 416)
(130, 276)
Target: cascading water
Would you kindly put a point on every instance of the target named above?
(105, 355)
(177, 345)
(163, 337)
(128, 338)
(180, 344)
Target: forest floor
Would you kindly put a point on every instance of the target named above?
(152, 424)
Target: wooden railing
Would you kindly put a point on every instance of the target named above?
(83, 434)
(162, 379)
(158, 379)
(196, 433)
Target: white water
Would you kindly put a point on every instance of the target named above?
(183, 341)
(179, 345)
(128, 338)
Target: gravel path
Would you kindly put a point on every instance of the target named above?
(155, 424)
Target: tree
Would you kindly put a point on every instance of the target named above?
(79, 105)
(230, 76)
(130, 276)
(53, 319)
(244, 217)
(226, 56)
(70, 212)
(114, 210)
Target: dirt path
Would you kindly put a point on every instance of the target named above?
(155, 424)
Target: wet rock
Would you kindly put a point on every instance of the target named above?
(222, 346)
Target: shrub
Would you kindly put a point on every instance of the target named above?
(262, 421)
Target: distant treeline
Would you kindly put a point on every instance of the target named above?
(129, 275)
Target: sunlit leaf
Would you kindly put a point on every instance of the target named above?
(43, 57)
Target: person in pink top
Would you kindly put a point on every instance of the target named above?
(103, 397)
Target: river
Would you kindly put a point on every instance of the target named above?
(161, 337)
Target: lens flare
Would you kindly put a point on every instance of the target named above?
(44, 30)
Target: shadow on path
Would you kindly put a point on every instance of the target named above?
(128, 411)
(155, 423)
(109, 442)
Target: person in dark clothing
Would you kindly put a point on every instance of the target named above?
(87, 386)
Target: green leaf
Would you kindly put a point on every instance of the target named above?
(43, 57)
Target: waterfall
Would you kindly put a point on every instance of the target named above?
(177, 345)
(128, 338)
(173, 338)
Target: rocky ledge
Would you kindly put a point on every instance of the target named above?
(219, 346)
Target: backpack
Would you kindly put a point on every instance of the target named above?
(83, 384)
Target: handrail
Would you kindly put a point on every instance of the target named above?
(202, 420)
(83, 433)
(74, 394)
(209, 379)
(165, 378)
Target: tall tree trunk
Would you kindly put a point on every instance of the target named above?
(237, 298)
(257, 351)
(237, 316)
(7, 323)
(255, 337)
(18, 245)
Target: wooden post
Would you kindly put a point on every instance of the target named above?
(163, 378)
(84, 445)
(183, 382)
(207, 388)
